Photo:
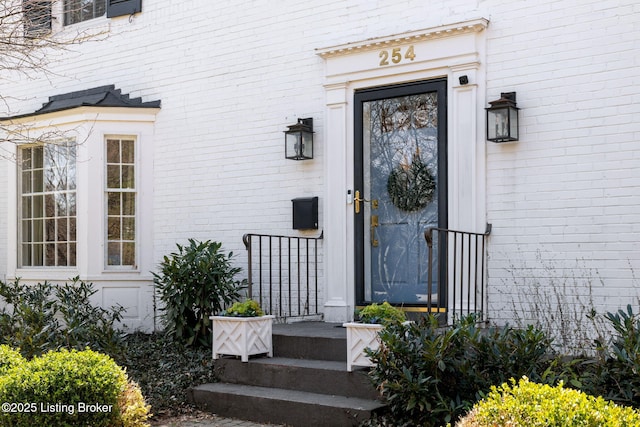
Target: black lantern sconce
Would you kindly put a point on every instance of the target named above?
(502, 119)
(298, 140)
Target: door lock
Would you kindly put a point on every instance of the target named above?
(374, 224)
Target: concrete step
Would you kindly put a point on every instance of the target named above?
(317, 376)
(310, 340)
(275, 405)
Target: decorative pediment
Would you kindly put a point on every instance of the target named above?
(472, 26)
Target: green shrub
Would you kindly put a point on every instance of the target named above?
(615, 374)
(431, 375)
(193, 284)
(9, 358)
(248, 308)
(528, 404)
(384, 314)
(71, 388)
(41, 317)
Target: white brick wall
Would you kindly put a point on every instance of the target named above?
(564, 200)
(232, 76)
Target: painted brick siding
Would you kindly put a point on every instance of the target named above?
(565, 200)
(231, 76)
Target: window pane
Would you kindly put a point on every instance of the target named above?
(128, 253)
(38, 255)
(36, 181)
(50, 230)
(113, 203)
(113, 176)
(62, 229)
(26, 182)
(128, 179)
(26, 207)
(128, 203)
(38, 206)
(128, 228)
(61, 204)
(50, 205)
(113, 228)
(71, 203)
(62, 257)
(127, 152)
(72, 254)
(113, 255)
(50, 254)
(26, 254)
(113, 151)
(72, 230)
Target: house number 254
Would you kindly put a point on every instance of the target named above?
(396, 55)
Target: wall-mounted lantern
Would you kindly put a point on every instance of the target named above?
(298, 140)
(502, 119)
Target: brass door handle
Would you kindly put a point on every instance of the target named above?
(357, 200)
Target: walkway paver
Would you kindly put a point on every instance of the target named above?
(212, 421)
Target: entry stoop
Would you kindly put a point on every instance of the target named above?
(305, 384)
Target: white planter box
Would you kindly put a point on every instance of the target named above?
(359, 337)
(242, 336)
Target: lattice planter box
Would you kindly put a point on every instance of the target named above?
(359, 337)
(242, 336)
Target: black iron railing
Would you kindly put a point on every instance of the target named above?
(457, 260)
(283, 273)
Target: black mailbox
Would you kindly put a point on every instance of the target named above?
(305, 213)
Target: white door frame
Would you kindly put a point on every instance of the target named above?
(450, 51)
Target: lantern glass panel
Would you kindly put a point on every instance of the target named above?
(513, 121)
(292, 145)
(498, 124)
(307, 145)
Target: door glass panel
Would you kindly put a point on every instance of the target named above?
(400, 174)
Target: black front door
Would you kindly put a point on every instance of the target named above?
(400, 190)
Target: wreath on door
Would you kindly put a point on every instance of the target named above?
(411, 187)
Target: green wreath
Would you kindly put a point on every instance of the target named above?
(412, 187)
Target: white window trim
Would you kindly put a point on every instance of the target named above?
(137, 158)
(90, 126)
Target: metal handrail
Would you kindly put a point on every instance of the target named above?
(287, 273)
(461, 272)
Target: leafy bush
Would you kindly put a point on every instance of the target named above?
(9, 358)
(384, 314)
(614, 374)
(193, 284)
(430, 375)
(535, 405)
(248, 308)
(45, 316)
(71, 388)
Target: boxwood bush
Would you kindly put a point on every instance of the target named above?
(539, 405)
(69, 388)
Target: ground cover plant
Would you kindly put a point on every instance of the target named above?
(165, 370)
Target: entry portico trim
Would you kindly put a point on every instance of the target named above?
(449, 51)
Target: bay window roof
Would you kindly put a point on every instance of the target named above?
(102, 96)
